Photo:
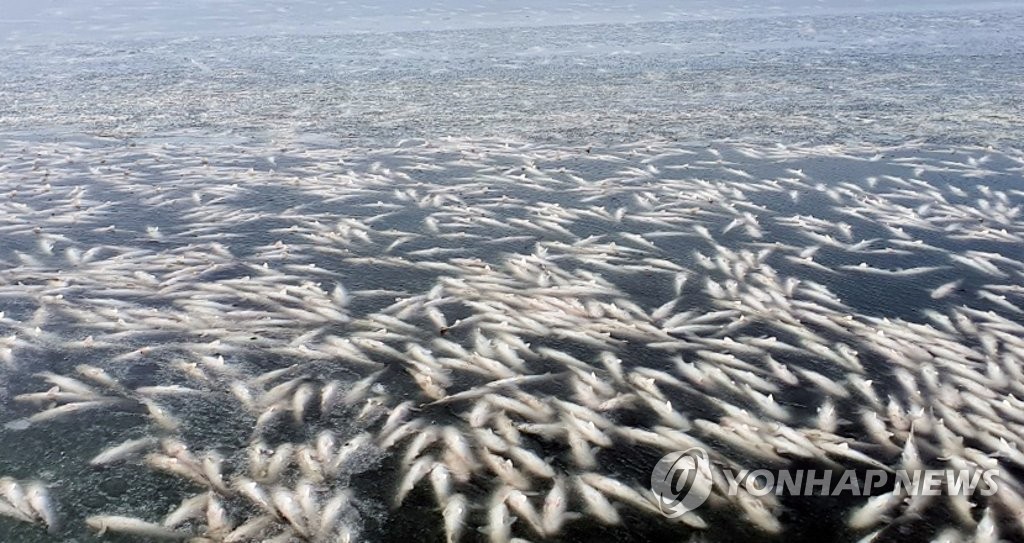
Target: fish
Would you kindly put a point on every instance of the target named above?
(987, 530)
(250, 529)
(255, 494)
(871, 513)
(521, 505)
(308, 501)
(103, 524)
(413, 475)
(123, 451)
(11, 511)
(217, 522)
(454, 514)
(945, 289)
(41, 505)
(597, 505)
(190, 508)
(499, 521)
(330, 514)
(289, 509)
(758, 513)
(554, 508)
(70, 409)
(441, 481)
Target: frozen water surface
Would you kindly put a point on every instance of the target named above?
(319, 271)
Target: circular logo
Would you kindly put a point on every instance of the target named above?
(681, 481)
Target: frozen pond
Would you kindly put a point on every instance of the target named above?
(468, 272)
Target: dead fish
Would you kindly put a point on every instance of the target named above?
(123, 451)
(132, 526)
(454, 514)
